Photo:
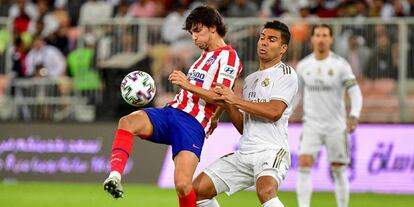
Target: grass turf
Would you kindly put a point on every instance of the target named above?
(92, 195)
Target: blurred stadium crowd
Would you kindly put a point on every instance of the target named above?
(51, 51)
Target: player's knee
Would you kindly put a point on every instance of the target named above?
(133, 122)
(337, 165)
(266, 192)
(305, 161)
(204, 187)
(183, 187)
(203, 193)
(338, 168)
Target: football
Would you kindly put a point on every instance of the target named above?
(138, 88)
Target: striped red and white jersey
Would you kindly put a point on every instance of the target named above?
(218, 66)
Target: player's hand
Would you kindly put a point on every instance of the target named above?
(352, 122)
(180, 79)
(226, 94)
(213, 126)
(113, 186)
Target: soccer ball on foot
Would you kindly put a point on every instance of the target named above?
(138, 88)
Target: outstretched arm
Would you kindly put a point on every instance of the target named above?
(272, 110)
(178, 78)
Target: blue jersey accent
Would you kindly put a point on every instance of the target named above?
(176, 128)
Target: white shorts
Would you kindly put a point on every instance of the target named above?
(337, 144)
(240, 171)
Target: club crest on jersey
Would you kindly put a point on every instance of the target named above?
(211, 60)
(265, 82)
(198, 76)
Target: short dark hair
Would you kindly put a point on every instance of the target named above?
(322, 26)
(281, 27)
(206, 16)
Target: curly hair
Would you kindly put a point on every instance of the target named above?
(206, 16)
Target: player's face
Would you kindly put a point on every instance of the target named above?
(201, 36)
(270, 45)
(321, 39)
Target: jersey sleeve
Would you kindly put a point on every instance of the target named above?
(347, 76)
(229, 69)
(285, 88)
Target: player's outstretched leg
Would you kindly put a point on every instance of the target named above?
(136, 123)
(113, 186)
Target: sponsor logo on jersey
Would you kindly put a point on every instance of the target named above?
(319, 88)
(197, 75)
(228, 72)
(265, 82)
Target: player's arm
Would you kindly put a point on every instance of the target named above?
(282, 93)
(354, 92)
(272, 110)
(355, 95)
(214, 120)
(178, 78)
(236, 117)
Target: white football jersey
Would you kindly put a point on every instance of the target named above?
(323, 83)
(275, 83)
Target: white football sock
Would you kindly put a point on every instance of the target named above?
(208, 203)
(304, 186)
(274, 202)
(341, 185)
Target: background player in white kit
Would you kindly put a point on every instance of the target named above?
(323, 78)
(262, 117)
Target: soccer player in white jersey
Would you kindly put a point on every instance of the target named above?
(261, 116)
(323, 78)
(184, 122)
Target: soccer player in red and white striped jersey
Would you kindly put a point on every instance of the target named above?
(184, 122)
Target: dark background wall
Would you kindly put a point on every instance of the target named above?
(76, 152)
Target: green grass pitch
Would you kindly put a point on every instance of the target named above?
(92, 195)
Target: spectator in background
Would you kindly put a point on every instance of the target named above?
(380, 63)
(379, 8)
(23, 7)
(282, 7)
(95, 11)
(300, 30)
(326, 8)
(61, 13)
(180, 51)
(143, 8)
(242, 8)
(181, 45)
(122, 10)
(44, 60)
(19, 53)
(357, 55)
(22, 13)
(411, 5)
(401, 8)
(50, 24)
